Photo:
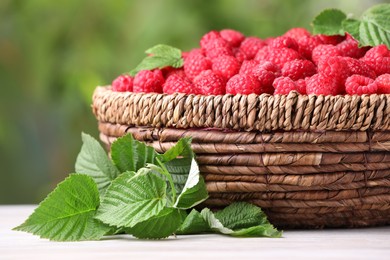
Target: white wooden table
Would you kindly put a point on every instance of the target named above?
(367, 243)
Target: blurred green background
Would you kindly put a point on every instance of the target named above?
(54, 53)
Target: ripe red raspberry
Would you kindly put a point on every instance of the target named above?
(247, 66)
(324, 50)
(168, 71)
(331, 39)
(210, 83)
(284, 85)
(209, 37)
(250, 46)
(357, 84)
(279, 56)
(297, 33)
(301, 86)
(383, 83)
(335, 68)
(243, 84)
(266, 73)
(298, 69)
(226, 66)
(378, 58)
(307, 45)
(320, 84)
(195, 63)
(148, 81)
(234, 38)
(176, 83)
(359, 67)
(350, 48)
(284, 42)
(123, 83)
(239, 54)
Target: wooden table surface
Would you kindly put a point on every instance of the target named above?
(366, 243)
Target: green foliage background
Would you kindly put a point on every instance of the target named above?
(54, 53)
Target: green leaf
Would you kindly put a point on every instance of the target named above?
(194, 191)
(260, 229)
(352, 27)
(93, 161)
(129, 154)
(132, 199)
(162, 225)
(181, 148)
(67, 214)
(193, 224)
(241, 215)
(374, 28)
(329, 22)
(160, 56)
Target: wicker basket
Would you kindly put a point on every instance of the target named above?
(308, 161)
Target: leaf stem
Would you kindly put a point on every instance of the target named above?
(169, 177)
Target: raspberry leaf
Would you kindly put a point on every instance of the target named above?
(93, 161)
(329, 22)
(159, 226)
(374, 28)
(129, 154)
(131, 199)
(352, 27)
(194, 223)
(67, 214)
(160, 56)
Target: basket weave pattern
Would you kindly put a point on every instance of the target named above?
(308, 161)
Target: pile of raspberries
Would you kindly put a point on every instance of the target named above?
(227, 62)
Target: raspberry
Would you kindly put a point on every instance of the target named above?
(266, 73)
(320, 84)
(383, 83)
(123, 83)
(148, 81)
(350, 48)
(335, 68)
(357, 84)
(234, 38)
(177, 83)
(243, 84)
(378, 58)
(298, 69)
(195, 63)
(324, 50)
(307, 45)
(208, 38)
(331, 39)
(284, 42)
(210, 83)
(359, 67)
(226, 66)
(279, 56)
(284, 85)
(168, 71)
(297, 33)
(301, 86)
(247, 66)
(239, 54)
(250, 46)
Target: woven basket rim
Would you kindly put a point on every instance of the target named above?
(252, 112)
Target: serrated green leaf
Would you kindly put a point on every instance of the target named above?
(67, 214)
(159, 226)
(193, 224)
(161, 56)
(241, 215)
(375, 26)
(329, 22)
(181, 148)
(132, 199)
(352, 27)
(163, 50)
(260, 229)
(129, 154)
(94, 162)
(194, 191)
